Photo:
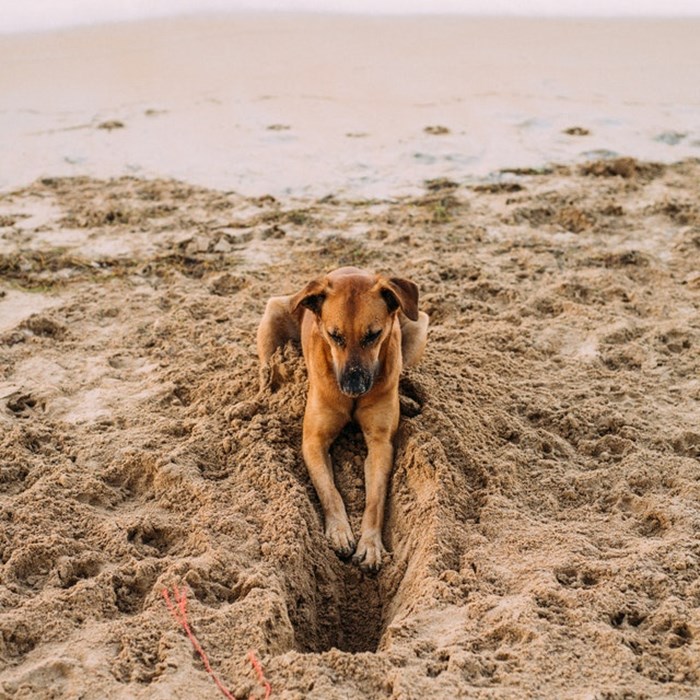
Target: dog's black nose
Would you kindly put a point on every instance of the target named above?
(355, 380)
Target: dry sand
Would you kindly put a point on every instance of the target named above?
(544, 508)
(545, 504)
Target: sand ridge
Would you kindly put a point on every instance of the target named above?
(543, 513)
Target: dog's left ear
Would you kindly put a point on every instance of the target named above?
(401, 294)
(311, 297)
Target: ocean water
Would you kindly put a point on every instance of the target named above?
(43, 15)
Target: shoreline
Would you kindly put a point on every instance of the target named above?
(362, 106)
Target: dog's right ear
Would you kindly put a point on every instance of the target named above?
(311, 297)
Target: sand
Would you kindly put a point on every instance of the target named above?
(544, 506)
(543, 517)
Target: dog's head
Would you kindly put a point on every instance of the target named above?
(355, 312)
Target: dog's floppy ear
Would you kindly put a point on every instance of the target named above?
(311, 297)
(401, 294)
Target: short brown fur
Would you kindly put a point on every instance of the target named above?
(357, 331)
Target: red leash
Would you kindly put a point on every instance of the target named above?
(261, 676)
(178, 610)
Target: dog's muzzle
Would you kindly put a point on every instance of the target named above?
(355, 380)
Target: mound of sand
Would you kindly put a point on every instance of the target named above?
(544, 508)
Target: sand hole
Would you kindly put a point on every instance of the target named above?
(21, 403)
(72, 571)
(342, 607)
(20, 640)
(338, 606)
(150, 539)
(345, 614)
(131, 585)
(360, 618)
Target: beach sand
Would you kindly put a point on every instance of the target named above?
(544, 508)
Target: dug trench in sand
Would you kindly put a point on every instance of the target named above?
(543, 511)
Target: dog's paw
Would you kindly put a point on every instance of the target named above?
(341, 538)
(369, 553)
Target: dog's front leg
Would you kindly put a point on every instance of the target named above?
(320, 429)
(380, 457)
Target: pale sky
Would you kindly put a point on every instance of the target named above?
(28, 15)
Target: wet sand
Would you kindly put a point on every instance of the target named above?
(317, 105)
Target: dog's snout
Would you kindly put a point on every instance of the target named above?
(355, 380)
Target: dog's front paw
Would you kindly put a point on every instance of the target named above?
(340, 535)
(369, 553)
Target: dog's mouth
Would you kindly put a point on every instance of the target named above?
(355, 381)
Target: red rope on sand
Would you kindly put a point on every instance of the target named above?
(179, 612)
(261, 676)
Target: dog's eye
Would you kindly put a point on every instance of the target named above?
(337, 338)
(370, 338)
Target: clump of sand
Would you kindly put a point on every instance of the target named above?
(543, 514)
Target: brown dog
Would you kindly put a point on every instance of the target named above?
(357, 330)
